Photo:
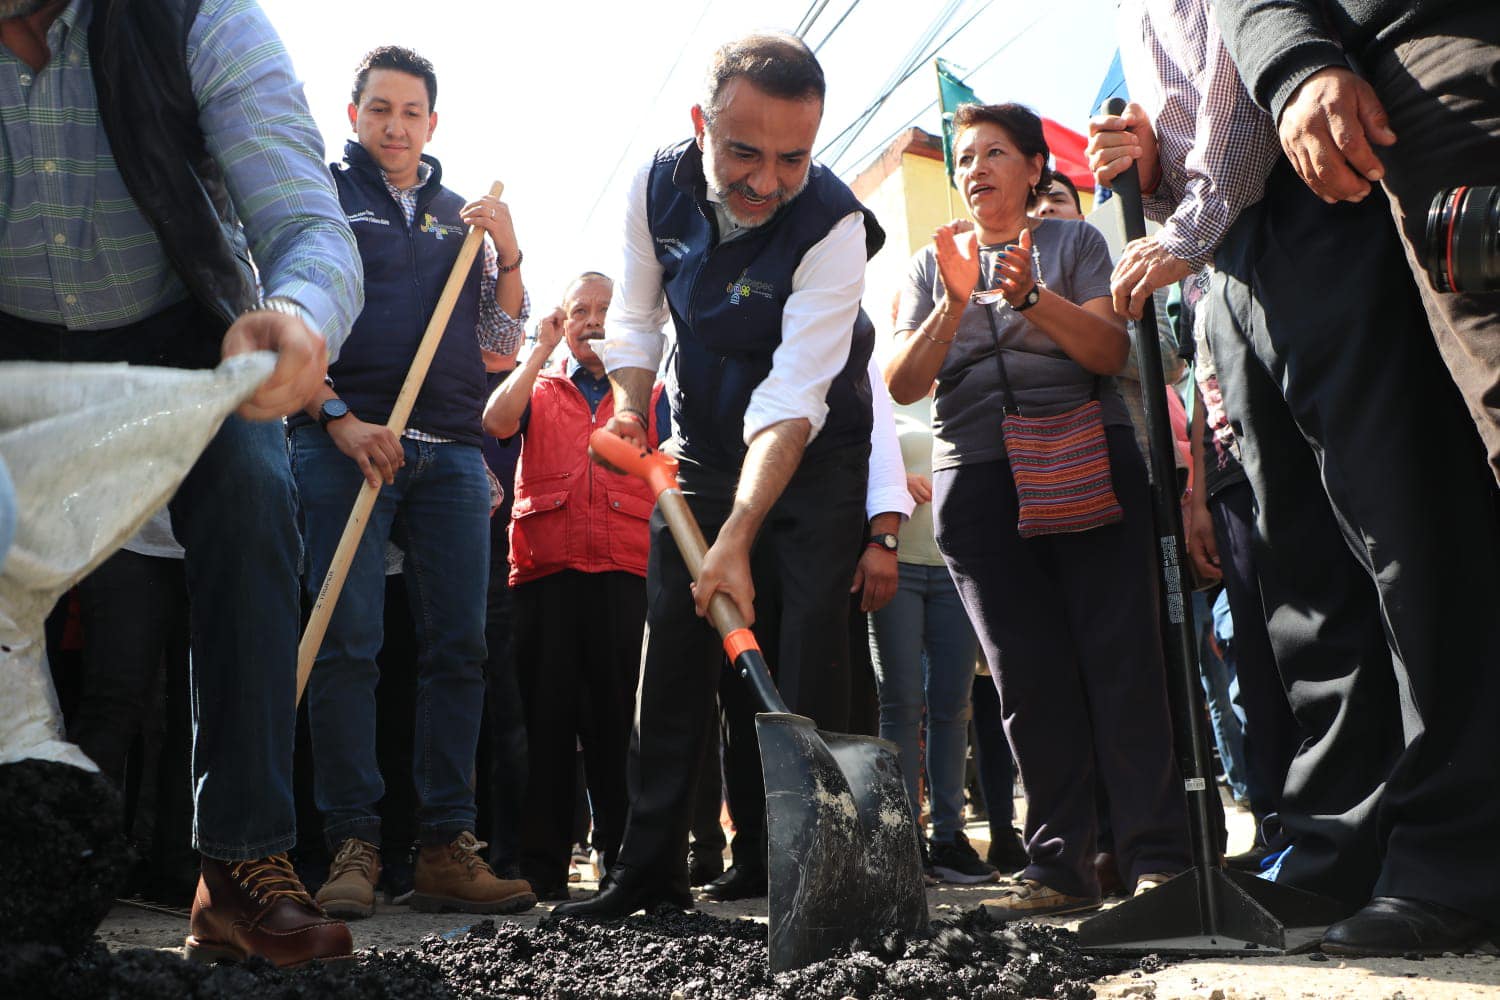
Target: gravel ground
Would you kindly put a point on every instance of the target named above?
(718, 953)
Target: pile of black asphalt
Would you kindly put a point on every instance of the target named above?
(63, 856)
(663, 956)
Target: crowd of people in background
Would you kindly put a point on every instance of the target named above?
(518, 667)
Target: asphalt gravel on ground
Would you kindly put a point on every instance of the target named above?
(663, 956)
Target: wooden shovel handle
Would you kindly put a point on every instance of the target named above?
(354, 528)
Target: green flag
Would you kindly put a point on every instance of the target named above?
(952, 92)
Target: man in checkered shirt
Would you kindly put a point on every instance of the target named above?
(1353, 436)
(123, 241)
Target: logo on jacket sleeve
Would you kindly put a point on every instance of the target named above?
(439, 229)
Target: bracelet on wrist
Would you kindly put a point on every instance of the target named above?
(630, 413)
(923, 332)
(507, 268)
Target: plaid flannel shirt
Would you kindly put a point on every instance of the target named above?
(1216, 147)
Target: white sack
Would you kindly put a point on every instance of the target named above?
(93, 450)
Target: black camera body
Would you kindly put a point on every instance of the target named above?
(1462, 250)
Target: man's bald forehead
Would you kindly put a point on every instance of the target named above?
(588, 277)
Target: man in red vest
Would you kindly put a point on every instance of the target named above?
(579, 539)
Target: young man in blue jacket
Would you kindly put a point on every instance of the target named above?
(409, 229)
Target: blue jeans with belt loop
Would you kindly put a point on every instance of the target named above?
(924, 650)
(441, 495)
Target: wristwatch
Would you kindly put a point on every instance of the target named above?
(885, 541)
(332, 409)
(1032, 298)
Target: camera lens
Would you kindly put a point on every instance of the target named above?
(1463, 239)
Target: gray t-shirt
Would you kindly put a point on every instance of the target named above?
(968, 406)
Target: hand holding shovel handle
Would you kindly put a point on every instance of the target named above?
(660, 472)
(354, 529)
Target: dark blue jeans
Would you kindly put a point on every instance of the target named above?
(441, 497)
(236, 517)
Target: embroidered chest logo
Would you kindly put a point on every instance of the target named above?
(439, 229)
(369, 217)
(745, 286)
(673, 246)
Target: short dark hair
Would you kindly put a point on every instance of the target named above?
(780, 64)
(1023, 126)
(403, 61)
(1067, 182)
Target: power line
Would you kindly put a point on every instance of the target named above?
(931, 104)
(837, 25)
(862, 122)
(655, 100)
(814, 11)
(910, 60)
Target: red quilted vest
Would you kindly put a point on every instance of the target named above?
(570, 513)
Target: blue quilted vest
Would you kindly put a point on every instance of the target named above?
(406, 268)
(726, 301)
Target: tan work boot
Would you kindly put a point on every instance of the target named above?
(456, 877)
(350, 889)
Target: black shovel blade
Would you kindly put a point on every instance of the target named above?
(843, 862)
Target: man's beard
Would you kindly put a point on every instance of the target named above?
(722, 191)
(20, 8)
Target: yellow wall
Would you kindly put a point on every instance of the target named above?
(928, 204)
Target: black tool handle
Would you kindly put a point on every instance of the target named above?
(1181, 650)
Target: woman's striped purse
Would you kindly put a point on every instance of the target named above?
(1061, 468)
(1060, 463)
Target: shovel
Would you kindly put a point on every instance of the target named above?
(842, 848)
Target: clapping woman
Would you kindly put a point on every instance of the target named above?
(1010, 315)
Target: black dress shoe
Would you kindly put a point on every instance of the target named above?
(1396, 926)
(739, 882)
(626, 893)
(704, 869)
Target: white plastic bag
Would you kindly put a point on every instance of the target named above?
(92, 451)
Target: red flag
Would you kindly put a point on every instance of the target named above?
(1067, 153)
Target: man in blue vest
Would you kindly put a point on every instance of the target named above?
(409, 229)
(758, 257)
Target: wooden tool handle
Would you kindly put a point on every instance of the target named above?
(354, 528)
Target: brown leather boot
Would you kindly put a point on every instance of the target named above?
(245, 908)
(456, 877)
(350, 889)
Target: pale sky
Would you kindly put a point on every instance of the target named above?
(563, 100)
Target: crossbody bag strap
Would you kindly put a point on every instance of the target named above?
(1010, 397)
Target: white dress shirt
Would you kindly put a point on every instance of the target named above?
(886, 491)
(815, 322)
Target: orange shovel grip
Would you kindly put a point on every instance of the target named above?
(657, 469)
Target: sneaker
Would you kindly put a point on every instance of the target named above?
(1151, 880)
(350, 888)
(1007, 853)
(1029, 898)
(455, 876)
(955, 861)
